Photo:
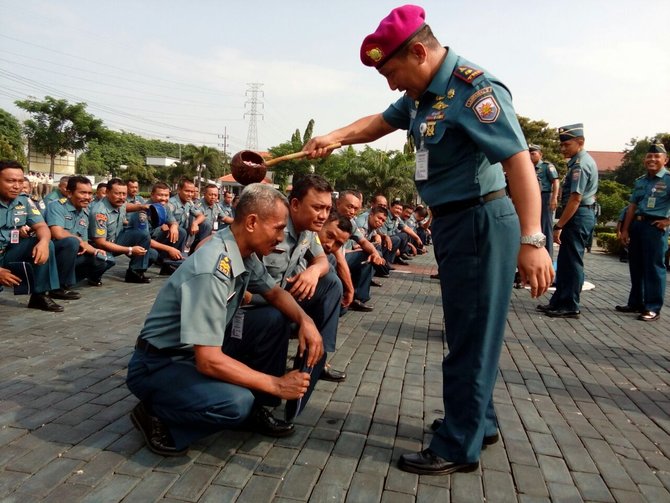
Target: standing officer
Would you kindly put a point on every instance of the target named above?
(68, 221)
(548, 178)
(199, 365)
(645, 231)
(17, 211)
(59, 193)
(462, 120)
(577, 220)
(106, 230)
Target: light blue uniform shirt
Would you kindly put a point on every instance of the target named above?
(63, 214)
(582, 178)
(656, 187)
(105, 221)
(14, 215)
(200, 299)
(470, 126)
(546, 174)
(183, 211)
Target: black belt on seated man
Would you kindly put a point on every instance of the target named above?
(442, 210)
(589, 206)
(153, 350)
(648, 218)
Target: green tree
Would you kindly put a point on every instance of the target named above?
(57, 127)
(632, 165)
(11, 141)
(612, 197)
(539, 133)
(202, 161)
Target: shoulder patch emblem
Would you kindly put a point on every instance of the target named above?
(100, 232)
(487, 109)
(576, 173)
(478, 94)
(467, 73)
(223, 266)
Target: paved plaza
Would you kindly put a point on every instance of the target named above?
(583, 406)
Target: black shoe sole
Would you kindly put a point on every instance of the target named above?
(464, 468)
(138, 424)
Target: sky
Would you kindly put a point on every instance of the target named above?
(181, 71)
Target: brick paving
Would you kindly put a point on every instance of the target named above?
(583, 406)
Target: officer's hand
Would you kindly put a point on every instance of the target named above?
(304, 284)
(173, 233)
(376, 259)
(41, 252)
(535, 269)
(246, 299)
(662, 224)
(387, 242)
(24, 231)
(624, 238)
(317, 146)
(194, 229)
(553, 205)
(347, 296)
(8, 279)
(174, 254)
(310, 338)
(165, 228)
(556, 236)
(293, 385)
(138, 251)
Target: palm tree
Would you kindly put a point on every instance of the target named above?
(199, 159)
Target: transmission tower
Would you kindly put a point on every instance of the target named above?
(253, 94)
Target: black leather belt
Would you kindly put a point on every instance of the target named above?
(589, 206)
(153, 350)
(442, 210)
(647, 218)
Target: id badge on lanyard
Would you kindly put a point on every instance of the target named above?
(421, 169)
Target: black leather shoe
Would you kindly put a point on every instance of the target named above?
(136, 277)
(382, 275)
(562, 313)
(262, 421)
(649, 316)
(330, 374)
(357, 305)
(44, 302)
(376, 284)
(167, 269)
(427, 462)
(404, 256)
(155, 433)
(400, 261)
(488, 440)
(628, 309)
(544, 308)
(64, 294)
(94, 282)
(434, 276)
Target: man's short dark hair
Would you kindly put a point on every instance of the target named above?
(133, 180)
(378, 209)
(74, 180)
(343, 223)
(159, 185)
(211, 186)
(101, 185)
(350, 192)
(115, 181)
(183, 181)
(10, 164)
(309, 181)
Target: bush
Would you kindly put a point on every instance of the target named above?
(609, 242)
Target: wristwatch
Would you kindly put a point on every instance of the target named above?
(538, 240)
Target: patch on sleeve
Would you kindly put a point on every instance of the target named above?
(487, 109)
(482, 92)
(576, 173)
(467, 73)
(223, 267)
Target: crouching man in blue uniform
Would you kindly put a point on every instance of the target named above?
(199, 365)
(462, 120)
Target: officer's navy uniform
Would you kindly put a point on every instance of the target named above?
(14, 215)
(360, 267)
(546, 174)
(197, 307)
(470, 126)
(185, 213)
(158, 234)
(648, 243)
(582, 178)
(72, 267)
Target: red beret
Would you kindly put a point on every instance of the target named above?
(391, 34)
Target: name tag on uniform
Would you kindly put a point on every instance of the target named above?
(651, 202)
(14, 236)
(421, 171)
(237, 325)
(216, 225)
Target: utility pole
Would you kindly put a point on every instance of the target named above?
(224, 138)
(253, 93)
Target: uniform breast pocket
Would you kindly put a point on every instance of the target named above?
(18, 219)
(435, 131)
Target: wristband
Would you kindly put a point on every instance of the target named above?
(130, 251)
(557, 227)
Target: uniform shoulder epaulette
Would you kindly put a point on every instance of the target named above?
(62, 200)
(467, 73)
(641, 177)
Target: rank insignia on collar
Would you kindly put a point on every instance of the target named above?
(451, 93)
(440, 105)
(224, 266)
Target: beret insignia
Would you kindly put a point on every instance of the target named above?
(375, 54)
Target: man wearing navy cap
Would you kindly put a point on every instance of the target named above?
(547, 176)
(572, 231)
(645, 231)
(462, 121)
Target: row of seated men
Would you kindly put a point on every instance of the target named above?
(280, 269)
(65, 238)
